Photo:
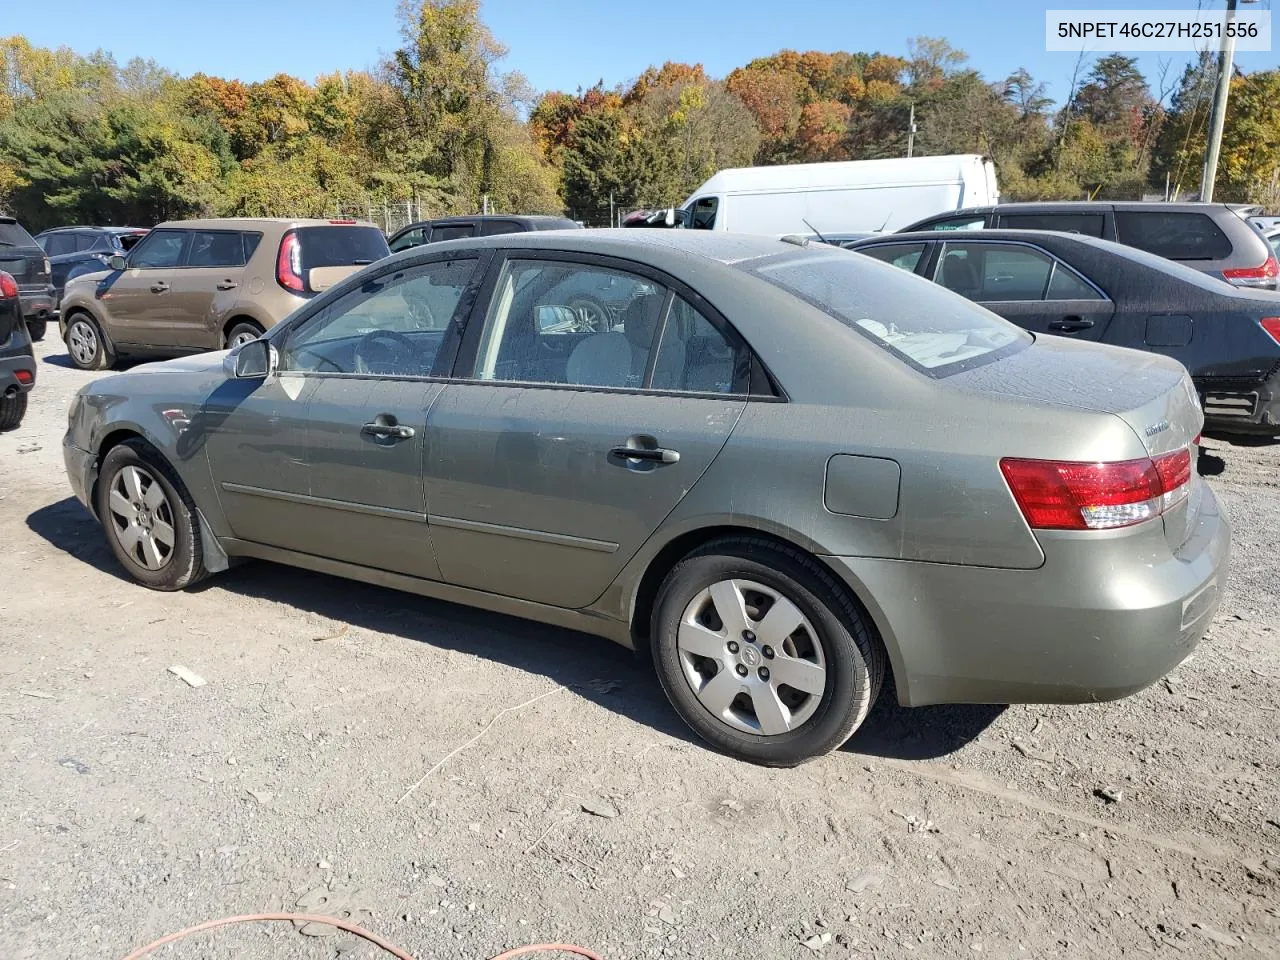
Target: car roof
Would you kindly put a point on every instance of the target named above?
(103, 229)
(468, 218)
(257, 223)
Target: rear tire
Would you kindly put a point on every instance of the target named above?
(243, 333)
(781, 691)
(149, 518)
(37, 328)
(85, 344)
(12, 410)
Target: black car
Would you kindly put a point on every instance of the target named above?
(23, 259)
(76, 250)
(1076, 286)
(483, 225)
(1214, 238)
(17, 361)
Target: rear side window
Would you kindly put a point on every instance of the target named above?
(492, 228)
(1177, 236)
(340, 246)
(59, 244)
(923, 325)
(12, 235)
(453, 231)
(86, 241)
(216, 248)
(904, 255)
(1089, 224)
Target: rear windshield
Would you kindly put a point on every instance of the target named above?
(928, 327)
(341, 246)
(12, 235)
(1178, 236)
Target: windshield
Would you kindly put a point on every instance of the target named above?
(930, 328)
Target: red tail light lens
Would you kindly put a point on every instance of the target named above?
(1256, 276)
(1272, 326)
(8, 285)
(289, 264)
(1061, 495)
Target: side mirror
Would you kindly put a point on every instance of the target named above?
(117, 262)
(255, 360)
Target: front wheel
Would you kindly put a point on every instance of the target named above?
(37, 328)
(12, 410)
(149, 518)
(85, 345)
(762, 653)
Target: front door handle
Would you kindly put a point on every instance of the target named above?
(228, 285)
(384, 427)
(159, 287)
(656, 455)
(1070, 325)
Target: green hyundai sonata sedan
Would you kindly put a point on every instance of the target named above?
(783, 471)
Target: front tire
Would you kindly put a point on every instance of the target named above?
(12, 410)
(85, 344)
(149, 518)
(762, 653)
(37, 328)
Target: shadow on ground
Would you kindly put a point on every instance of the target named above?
(599, 671)
(64, 360)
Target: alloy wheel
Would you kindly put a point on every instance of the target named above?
(142, 517)
(751, 657)
(82, 341)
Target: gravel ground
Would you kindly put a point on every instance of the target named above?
(132, 804)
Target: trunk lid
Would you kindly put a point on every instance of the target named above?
(1152, 394)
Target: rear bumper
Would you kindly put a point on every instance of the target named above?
(1104, 617)
(39, 304)
(1235, 407)
(9, 369)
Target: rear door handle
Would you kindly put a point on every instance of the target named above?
(159, 287)
(384, 426)
(1070, 325)
(228, 285)
(657, 455)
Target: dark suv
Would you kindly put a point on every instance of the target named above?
(22, 258)
(17, 361)
(76, 250)
(1214, 238)
(484, 225)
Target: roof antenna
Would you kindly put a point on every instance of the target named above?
(814, 229)
(886, 222)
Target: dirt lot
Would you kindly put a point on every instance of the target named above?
(132, 804)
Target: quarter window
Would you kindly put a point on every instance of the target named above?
(1177, 236)
(904, 255)
(569, 323)
(392, 325)
(1067, 285)
(695, 357)
(160, 248)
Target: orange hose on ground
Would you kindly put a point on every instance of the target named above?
(349, 928)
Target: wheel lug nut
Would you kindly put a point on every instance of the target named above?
(733, 646)
(742, 670)
(748, 636)
(764, 673)
(768, 653)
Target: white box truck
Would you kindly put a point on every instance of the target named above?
(841, 197)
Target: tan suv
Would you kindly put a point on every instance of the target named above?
(195, 285)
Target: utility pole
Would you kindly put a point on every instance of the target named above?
(612, 218)
(1226, 57)
(911, 129)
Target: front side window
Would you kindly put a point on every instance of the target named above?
(569, 323)
(702, 215)
(993, 271)
(923, 325)
(159, 249)
(392, 325)
(903, 255)
(216, 248)
(410, 238)
(1177, 236)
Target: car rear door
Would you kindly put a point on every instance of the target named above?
(558, 449)
(1026, 285)
(202, 290)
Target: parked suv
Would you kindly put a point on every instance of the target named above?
(488, 225)
(194, 285)
(22, 258)
(17, 361)
(76, 250)
(1214, 238)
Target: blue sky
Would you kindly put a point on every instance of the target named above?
(564, 44)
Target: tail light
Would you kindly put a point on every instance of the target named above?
(48, 267)
(1061, 495)
(289, 264)
(8, 285)
(1272, 326)
(1263, 276)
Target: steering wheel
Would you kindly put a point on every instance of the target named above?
(392, 364)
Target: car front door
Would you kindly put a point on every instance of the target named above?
(368, 367)
(138, 299)
(1026, 286)
(559, 447)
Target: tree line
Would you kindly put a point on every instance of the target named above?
(86, 140)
